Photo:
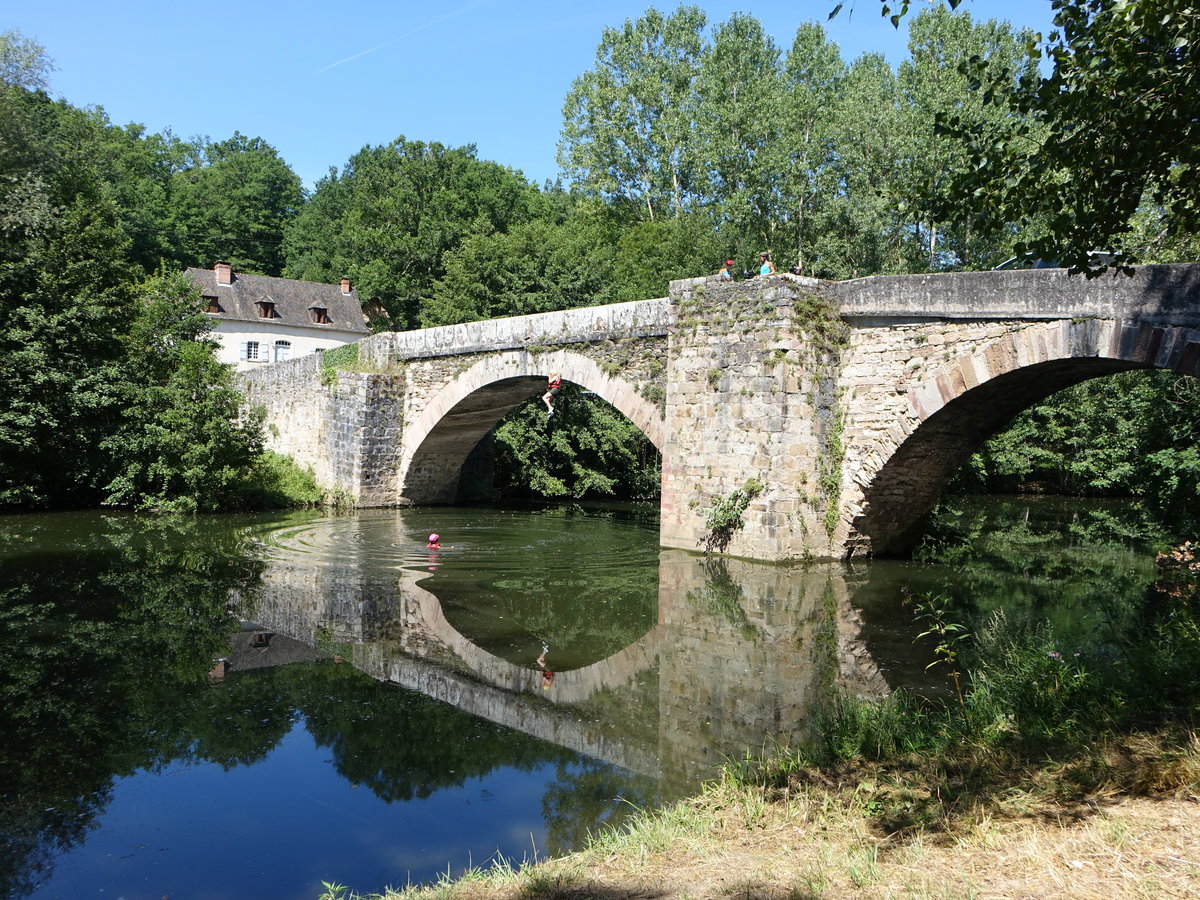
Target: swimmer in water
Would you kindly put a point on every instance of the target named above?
(434, 541)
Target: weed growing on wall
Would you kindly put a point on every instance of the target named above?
(725, 517)
(833, 454)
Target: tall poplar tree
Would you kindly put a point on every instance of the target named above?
(739, 122)
(935, 82)
(628, 121)
(812, 75)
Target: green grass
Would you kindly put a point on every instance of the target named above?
(277, 482)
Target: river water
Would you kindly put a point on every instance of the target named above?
(240, 706)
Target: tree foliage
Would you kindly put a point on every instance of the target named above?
(627, 122)
(183, 442)
(394, 212)
(1075, 153)
(107, 396)
(1132, 434)
(537, 266)
(65, 299)
(232, 200)
(587, 449)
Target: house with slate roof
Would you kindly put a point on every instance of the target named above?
(258, 319)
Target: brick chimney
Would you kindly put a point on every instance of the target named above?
(345, 285)
(224, 273)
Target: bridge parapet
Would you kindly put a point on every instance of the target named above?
(1167, 294)
(589, 324)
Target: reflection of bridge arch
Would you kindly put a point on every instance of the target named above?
(424, 610)
(956, 408)
(460, 412)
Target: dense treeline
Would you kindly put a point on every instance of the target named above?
(684, 143)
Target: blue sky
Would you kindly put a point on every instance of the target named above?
(319, 80)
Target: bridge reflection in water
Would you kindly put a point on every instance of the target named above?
(740, 656)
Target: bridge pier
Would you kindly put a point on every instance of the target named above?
(753, 400)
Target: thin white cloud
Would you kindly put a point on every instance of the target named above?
(421, 27)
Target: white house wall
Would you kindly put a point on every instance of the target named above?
(232, 334)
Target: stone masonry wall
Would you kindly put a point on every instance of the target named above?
(346, 427)
(848, 403)
(921, 396)
(396, 425)
(751, 396)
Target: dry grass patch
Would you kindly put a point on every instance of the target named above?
(823, 844)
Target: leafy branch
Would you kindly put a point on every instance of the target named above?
(725, 517)
(933, 610)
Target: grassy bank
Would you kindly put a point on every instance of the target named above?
(802, 833)
(277, 482)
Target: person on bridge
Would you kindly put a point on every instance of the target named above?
(555, 385)
(726, 273)
(767, 267)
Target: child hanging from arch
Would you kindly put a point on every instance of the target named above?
(554, 385)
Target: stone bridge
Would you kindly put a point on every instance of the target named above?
(842, 408)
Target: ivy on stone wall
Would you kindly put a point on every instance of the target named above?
(343, 357)
(828, 335)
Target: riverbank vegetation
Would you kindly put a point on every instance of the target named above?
(841, 168)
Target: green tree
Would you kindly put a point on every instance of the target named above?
(1131, 434)
(933, 85)
(233, 203)
(538, 266)
(184, 442)
(812, 75)
(861, 231)
(1112, 126)
(587, 450)
(23, 62)
(651, 254)
(740, 113)
(628, 122)
(141, 169)
(62, 285)
(391, 216)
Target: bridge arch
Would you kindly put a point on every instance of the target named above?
(571, 686)
(956, 408)
(457, 414)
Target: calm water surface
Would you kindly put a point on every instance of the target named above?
(381, 713)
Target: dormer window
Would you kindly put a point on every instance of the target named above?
(209, 304)
(266, 309)
(320, 315)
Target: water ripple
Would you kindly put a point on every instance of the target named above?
(551, 540)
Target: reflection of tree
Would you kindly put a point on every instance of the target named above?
(402, 744)
(589, 796)
(95, 628)
(1082, 568)
(722, 596)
